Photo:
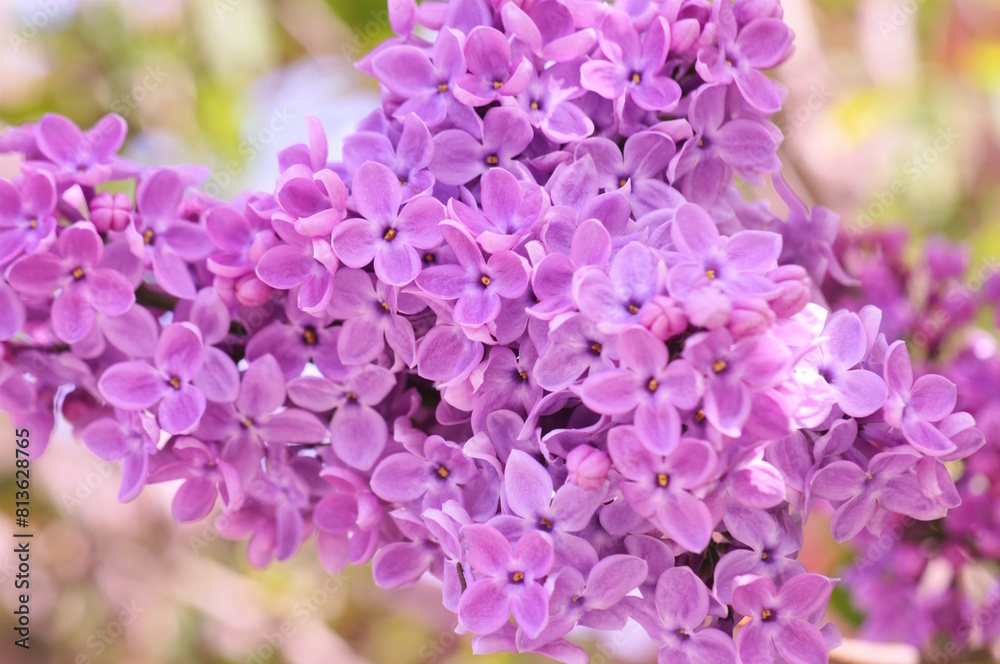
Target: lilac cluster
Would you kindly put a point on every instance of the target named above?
(935, 585)
(526, 336)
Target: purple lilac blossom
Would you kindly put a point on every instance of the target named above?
(527, 338)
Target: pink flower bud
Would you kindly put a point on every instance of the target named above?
(251, 291)
(110, 211)
(708, 308)
(588, 467)
(796, 290)
(663, 317)
(750, 316)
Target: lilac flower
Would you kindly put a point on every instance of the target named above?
(528, 490)
(165, 241)
(26, 214)
(632, 69)
(409, 159)
(357, 431)
(782, 620)
(130, 438)
(476, 284)
(575, 346)
(316, 202)
(371, 319)
(303, 339)
(138, 386)
(547, 101)
(772, 547)
(914, 407)
(206, 475)
(436, 476)
(741, 54)
(258, 415)
(506, 581)
(647, 383)
(866, 497)
(660, 487)
(735, 265)
(734, 373)
(460, 157)
(640, 163)
(593, 601)
(682, 605)
(547, 29)
(718, 146)
(492, 72)
(510, 209)
(84, 288)
(858, 392)
(84, 157)
(389, 235)
(427, 84)
(243, 240)
(614, 299)
(301, 262)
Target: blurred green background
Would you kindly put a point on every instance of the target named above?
(872, 86)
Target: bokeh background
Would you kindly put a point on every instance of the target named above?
(893, 114)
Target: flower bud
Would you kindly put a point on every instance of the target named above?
(796, 290)
(663, 317)
(708, 308)
(750, 316)
(110, 211)
(251, 291)
(588, 467)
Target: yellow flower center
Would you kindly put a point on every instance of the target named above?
(485, 281)
(443, 472)
(719, 366)
(534, 105)
(78, 273)
(710, 274)
(636, 78)
(517, 577)
(309, 336)
(492, 160)
(663, 480)
(652, 384)
(442, 87)
(497, 85)
(632, 309)
(765, 614)
(147, 237)
(175, 382)
(596, 347)
(390, 235)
